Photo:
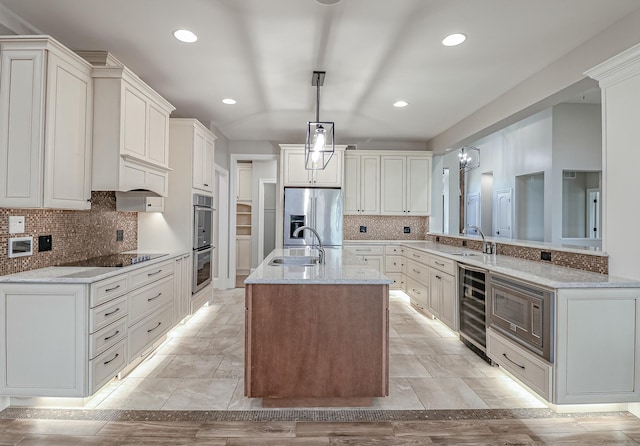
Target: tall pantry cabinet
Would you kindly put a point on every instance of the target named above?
(46, 111)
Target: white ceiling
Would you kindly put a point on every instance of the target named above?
(263, 52)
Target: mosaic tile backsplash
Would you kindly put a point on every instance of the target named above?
(585, 262)
(384, 227)
(76, 235)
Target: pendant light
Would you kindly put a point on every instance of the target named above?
(319, 145)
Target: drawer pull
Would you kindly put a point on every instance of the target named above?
(112, 359)
(416, 255)
(113, 335)
(438, 263)
(150, 330)
(416, 291)
(416, 271)
(363, 250)
(153, 274)
(438, 277)
(113, 312)
(513, 362)
(111, 289)
(154, 298)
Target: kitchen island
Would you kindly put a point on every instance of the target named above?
(316, 335)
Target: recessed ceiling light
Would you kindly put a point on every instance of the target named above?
(400, 104)
(328, 2)
(184, 35)
(229, 101)
(454, 39)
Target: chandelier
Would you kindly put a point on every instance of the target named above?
(319, 145)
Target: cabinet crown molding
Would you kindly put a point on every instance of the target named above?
(617, 69)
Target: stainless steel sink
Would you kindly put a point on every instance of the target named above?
(294, 260)
(466, 254)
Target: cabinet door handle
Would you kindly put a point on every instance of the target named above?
(513, 362)
(111, 289)
(206, 184)
(438, 263)
(416, 291)
(112, 359)
(416, 271)
(154, 297)
(113, 312)
(416, 255)
(438, 277)
(113, 335)
(149, 204)
(153, 274)
(150, 330)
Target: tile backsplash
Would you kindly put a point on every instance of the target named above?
(384, 227)
(76, 235)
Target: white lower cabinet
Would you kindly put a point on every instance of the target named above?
(443, 298)
(61, 340)
(182, 282)
(372, 255)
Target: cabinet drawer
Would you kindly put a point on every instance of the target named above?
(418, 271)
(418, 291)
(397, 281)
(393, 264)
(417, 256)
(529, 369)
(105, 314)
(151, 273)
(108, 336)
(107, 365)
(393, 250)
(145, 332)
(107, 289)
(148, 298)
(366, 250)
(440, 263)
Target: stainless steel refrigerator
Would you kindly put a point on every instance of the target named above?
(316, 207)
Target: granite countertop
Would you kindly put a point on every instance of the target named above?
(79, 274)
(341, 267)
(544, 274)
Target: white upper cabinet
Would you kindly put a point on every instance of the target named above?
(45, 135)
(244, 182)
(361, 184)
(194, 142)
(203, 151)
(405, 184)
(295, 174)
(131, 129)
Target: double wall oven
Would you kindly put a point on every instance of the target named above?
(202, 241)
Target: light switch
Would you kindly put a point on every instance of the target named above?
(16, 225)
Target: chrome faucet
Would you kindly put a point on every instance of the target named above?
(486, 248)
(318, 246)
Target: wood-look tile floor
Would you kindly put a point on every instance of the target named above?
(440, 393)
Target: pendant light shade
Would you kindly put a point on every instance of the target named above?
(320, 144)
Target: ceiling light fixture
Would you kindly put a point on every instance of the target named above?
(469, 158)
(400, 104)
(454, 39)
(319, 145)
(328, 2)
(229, 101)
(184, 35)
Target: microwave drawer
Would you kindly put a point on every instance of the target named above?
(528, 368)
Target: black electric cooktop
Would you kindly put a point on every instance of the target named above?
(115, 260)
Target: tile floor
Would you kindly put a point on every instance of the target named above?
(190, 392)
(200, 367)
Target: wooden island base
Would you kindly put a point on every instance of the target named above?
(316, 345)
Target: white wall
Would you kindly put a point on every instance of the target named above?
(577, 145)
(265, 170)
(620, 83)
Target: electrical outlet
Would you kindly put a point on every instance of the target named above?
(407, 229)
(44, 243)
(545, 255)
(16, 224)
(119, 235)
(363, 229)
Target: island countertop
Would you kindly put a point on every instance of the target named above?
(340, 267)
